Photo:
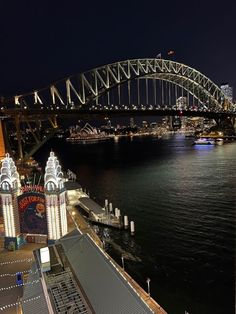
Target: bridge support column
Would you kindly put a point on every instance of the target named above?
(2, 141)
(53, 121)
(18, 134)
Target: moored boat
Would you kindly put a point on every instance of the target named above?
(204, 141)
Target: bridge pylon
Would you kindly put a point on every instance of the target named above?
(2, 141)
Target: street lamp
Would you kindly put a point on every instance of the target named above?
(148, 285)
(73, 213)
(123, 263)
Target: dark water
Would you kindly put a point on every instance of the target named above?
(182, 199)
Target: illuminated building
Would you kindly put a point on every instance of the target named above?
(55, 199)
(131, 123)
(9, 190)
(181, 104)
(228, 91)
(82, 279)
(145, 124)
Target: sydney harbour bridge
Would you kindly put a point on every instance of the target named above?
(131, 87)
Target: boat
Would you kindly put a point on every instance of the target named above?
(204, 141)
(219, 141)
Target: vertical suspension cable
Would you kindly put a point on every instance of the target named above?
(108, 98)
(193, 94)
(118, 88)
(198, 96)
(209, 97)
(176, 96)
(146, 91)
(129, 92)
(187, 95)
(155, 91)
(166, 93)
(162, 92)
(138, 92)
(169, 95)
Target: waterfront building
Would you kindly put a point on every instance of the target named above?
(55, 194)
(9, 190)
(79, 277)
(131, 123)
(181, 104)
(144, 124)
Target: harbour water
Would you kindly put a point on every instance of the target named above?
(182, 199)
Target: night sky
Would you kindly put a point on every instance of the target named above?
(42, 41)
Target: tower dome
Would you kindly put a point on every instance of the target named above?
(9, 177)
(53, 178)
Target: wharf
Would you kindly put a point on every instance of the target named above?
(75, 219)
(94, 212)
(97, 214)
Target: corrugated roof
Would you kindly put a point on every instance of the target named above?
(91, 205)
(36, 306)
(106, 289)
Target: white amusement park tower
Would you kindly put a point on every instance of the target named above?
(9, 190)
(55, 199)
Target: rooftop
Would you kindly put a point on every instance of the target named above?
(83, 279)
(91, 205)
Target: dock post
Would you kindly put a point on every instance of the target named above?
(106, 202)
(106, 209)
(132, 229)
(110, 207)
(126, 222)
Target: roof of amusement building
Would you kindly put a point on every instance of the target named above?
(84, 278)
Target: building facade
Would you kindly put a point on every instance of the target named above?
(55, 194)
(228, 91)
(9, 191)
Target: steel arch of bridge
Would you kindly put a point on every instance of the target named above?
(80, 90)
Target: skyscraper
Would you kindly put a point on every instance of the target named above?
(181, 103)
(228, 91)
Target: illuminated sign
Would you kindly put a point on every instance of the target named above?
(32, 213)
(32, 188)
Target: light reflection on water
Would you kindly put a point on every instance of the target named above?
(182, 199)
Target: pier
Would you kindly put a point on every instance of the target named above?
(76, 220)
(93, 211)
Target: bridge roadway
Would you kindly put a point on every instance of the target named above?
(92, 113)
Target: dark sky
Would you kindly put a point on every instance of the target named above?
(42, 41)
